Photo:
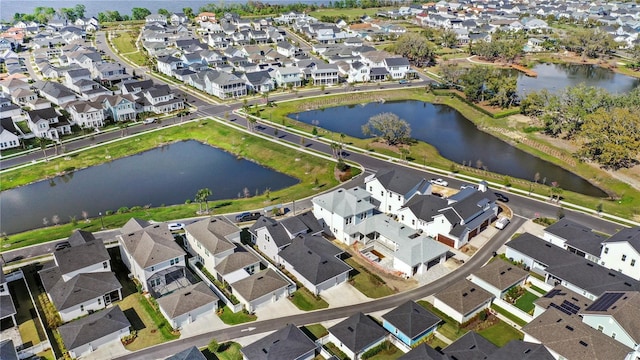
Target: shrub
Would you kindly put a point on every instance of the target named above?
(342, 166)
(376, 350)
(136, 208)
(123, 210)
(213, 346)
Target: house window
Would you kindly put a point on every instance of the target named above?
(633, 262)
(104, 265)
(370, 188)
(606, 250)
(381, 193)
(398, 197)
(2, 288)
(389, 207)
(402, 217)
(206, 252)
(600, 328)
(99, 301)
(624, 257)
(613, 335)
(153, 268)
(390, 194)
(81, 307)
(413, 221)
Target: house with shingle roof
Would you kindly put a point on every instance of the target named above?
(188, 304)
(315, 262)
(120, 107)
(338, 209)
(470, 346)
(462, 300)
(423, 352)
(522, 350)
(86, 114)
(535, 253)
(153, 257)
(560, 297)
(192, 353)
(288, 343)
(211, 240)
(392, 188)
(621, 252)
(356, 334)
(237, 266)
(261, 288)
(56, 93)
(9, 135)
(8, 350)
(410, 322)
(616, 314)
(83, 336)
(498, 276)
(568, 337)
(47, 123)
(272, 236)
(575, 238)
(7, 308)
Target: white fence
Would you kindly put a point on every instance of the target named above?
(399, 344)
(33, 350)
(219, 293)
(13, 276)
(513, 310)
(539, 283)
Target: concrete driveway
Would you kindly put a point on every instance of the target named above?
(281, 308)
(343, 295)
(202, 325)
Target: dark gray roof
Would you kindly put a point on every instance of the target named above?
(592, 277)
(577, 236)
(8, 350)
(521, 350)
(542, 251)
(6, 306)
(80, 237)
(630, 235)
(423, 352)
(358, 332)
(425, 207)
(284, 344)
(260, 223)
(399, 181)
(80, 288)
(134, 224)
(56, 90)
(411, 319)
(187, 299)
(8, 125)
(624, 307)
(470, 346)
(294, 225)
(473, 203)
(259, 284)
(131, 86)
(80, 256)
(93, 327)
(236, 261)
(399, 61)
(191, 353)
(47, 113)
(314, 258)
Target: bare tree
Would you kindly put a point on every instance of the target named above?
(55, 219)
(389, 127)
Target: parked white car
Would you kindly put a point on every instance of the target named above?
(176, 226)
(439, 182)
(502, 223)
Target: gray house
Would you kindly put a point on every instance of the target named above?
(191, 353)
(188, 304)
(356, 334)
(289, 343)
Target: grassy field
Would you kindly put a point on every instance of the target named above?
(306, 301)
(436, 343)
(535, 288)
(347, 13)
(124, 43)
(231, 318)
(367, 283)
(525, 302)
(227, 351)
(302, 166)
(501, 333)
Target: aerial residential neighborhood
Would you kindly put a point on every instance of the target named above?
(393, 238)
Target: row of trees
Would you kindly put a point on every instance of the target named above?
(43, 14)
(590, 42)
(415, 47)
(502, 49)
(482, 83)
(606, 125)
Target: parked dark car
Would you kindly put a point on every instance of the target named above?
(501, 197)
(248, 216)
(62, 245)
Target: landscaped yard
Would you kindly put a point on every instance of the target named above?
(315, 331)
(436, 343)
(31, 331)
(525, 302)
(501, 333)
(367, 283)
(306, 301)
(227, 351)
(391, 353)
(231, 318)
(450, 328)
(152, 328)
(508, 315)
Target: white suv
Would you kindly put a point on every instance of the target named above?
(502, 223)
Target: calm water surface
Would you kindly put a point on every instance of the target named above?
(455, 137)
(167, 175)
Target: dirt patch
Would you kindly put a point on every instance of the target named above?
(468, 249)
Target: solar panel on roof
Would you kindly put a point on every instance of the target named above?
(572, 308)
(604, 302)
(564, 310)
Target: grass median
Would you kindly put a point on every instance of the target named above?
(305, 167)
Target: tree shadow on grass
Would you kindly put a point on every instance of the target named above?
(136, 322)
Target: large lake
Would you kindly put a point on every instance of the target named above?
(167, 175)
(455, 137)
(556, 77)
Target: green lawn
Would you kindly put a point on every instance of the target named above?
(525, 302)
(306, 301)
(315, 331)
(501, 333)
(28, 324)
(333, 349)
(347, 13)
(124, 41)
(390, 354)
(450, 328)
(508, 315)
(367, 283)
(231, 318)
(541, 291)
(152, 328)
(436, 343)
(227, 351)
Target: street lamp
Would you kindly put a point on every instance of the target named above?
(101, 220)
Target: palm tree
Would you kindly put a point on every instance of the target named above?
(43, 142)
(202, 197)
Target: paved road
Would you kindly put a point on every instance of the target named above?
(479, 259)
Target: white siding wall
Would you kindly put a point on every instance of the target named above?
(88, 348)
(341, 346)
(485, 285)
(555, 240)
(259, 302)
(609, 327)
(518, 256)
(266, 244)
(185, 319)
(75, 312)
(612, 259)
(88, 269)
(439, 225)
(447, 310)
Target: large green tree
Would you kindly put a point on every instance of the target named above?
(138, 13)
(389, 127)
(415, 47)
(612, 137)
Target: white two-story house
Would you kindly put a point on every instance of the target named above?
(393, 188)
(341, 209)
(211, 240)
(86, 114)
(621, 252)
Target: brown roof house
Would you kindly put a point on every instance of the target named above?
(462, 300)
(262, 288)
(498, 277)
(568, 337)
(188, 304)
(616, 314)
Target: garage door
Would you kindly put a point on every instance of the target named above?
(445, 240)
(473, 233)
(433, 263)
